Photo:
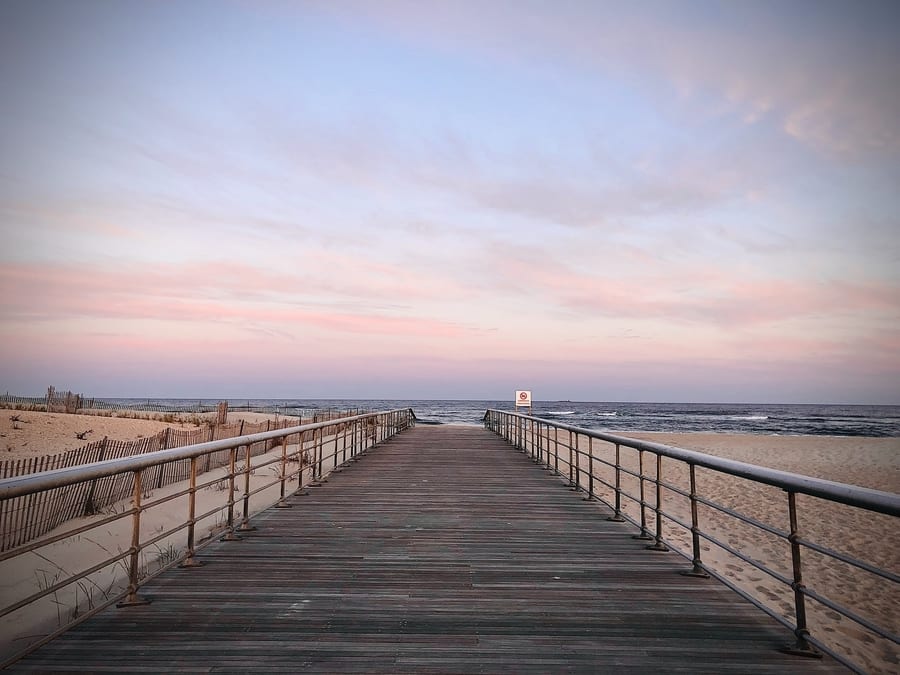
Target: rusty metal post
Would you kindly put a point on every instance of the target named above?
(574, 475)
(616, 517)
(644, 534)
(133, 599)
(337, 438)
(552, 442)
(556, 449)
(301, 456)
(590, 493)
(245, 525)
(801, 646)
(575, 486)
(696, 564)
(190, 560)
(229, 525)
(543, 457)
(658, 545)
(282, 502)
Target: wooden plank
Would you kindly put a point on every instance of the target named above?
(441, 550)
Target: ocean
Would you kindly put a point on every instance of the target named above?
(771, 419)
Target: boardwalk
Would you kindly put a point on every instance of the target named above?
(442, 550)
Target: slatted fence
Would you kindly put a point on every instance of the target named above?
(23, 519)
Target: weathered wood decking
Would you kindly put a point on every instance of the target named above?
(442, 550)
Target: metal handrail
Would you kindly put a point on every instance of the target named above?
(347, 438)
(541, 438)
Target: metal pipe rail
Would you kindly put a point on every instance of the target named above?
(320, 448)
(555, 447)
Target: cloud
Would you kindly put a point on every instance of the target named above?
(827, 73)
(708, 295)
(226, 293)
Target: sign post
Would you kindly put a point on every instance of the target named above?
(523, 400)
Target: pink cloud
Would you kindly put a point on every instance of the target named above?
(206, 293)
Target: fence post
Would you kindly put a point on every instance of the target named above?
(89, 509)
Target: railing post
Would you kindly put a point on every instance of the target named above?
(644, 534)
(658, 545)
(245, 525)
(574, 486)
(301, 454)
(696, 564)
(229, 525)
(556, 449)
(282, 502)
(801, 646)
(190, 560)
(318, 451)
(133, 598)
(334, 459)
(590, 494)
(555, 453)
(544, 453)
(571, 467)
(616, 517)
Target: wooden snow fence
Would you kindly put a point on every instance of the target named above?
(25, 518)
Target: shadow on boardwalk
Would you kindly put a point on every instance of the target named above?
(442, 550)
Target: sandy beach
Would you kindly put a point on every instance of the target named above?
(868, 462)
(31, 434)
(862, 461)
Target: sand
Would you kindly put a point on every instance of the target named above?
(33, 571)
(32, 434)
(873, 538)
(869, 462)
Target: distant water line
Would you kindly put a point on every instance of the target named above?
(769, 419)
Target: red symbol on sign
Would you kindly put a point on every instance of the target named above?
(523, 395)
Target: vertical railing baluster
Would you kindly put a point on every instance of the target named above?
(571, 468)
(229, 524)
(590, 494)
(245, 525)
(696, 564)
(190, 560)
(616, 517)
(133, 598)
(801, 646)
(556, 449)
(282, 502)
(658, 545)
(644, 534)
(334, 459)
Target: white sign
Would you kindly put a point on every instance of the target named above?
(523, 399)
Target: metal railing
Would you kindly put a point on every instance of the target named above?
(307, 453)
(677, 516)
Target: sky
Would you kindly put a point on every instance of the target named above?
(601, 201)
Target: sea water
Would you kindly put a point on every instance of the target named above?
(786, 419)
